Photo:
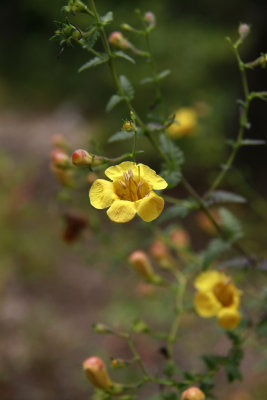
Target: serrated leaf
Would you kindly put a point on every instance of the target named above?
(215, 249)
(122, 135)
(253, 142)
(163, 74)
(212, 361)
(146, 80)
(127, 87)
(89, 42)
(221, 196)
(230, 224)
(113, 101)
(173, 212)
(121, 54)
(171, 171)
(93, 63)
(107, 18)
(171, 177)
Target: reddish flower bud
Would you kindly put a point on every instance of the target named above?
(81, 158)
(180, 238)
(96, 373)
(140, 261)
(161, 254)
(243, 31)
(118, 40)
(150, 18)
(60, 158)
(193, 393)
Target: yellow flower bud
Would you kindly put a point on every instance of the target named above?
(193, 393)
(96, 373)
(140, 261)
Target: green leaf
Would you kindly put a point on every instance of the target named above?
(230, 225)
(253, 142)
(146, 80)
(122, 135)
(221, 196)
(171, 171)
(216, 248)
(163, 74)
(113, 101)
(127, 87)
(93, 63)
(173, 212)
(89, 42)
(212, 361)
(232, 371)
(121, 54)
(107, 18)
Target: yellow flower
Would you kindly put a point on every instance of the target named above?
(185, 122)
(130, 192)
(217, 296)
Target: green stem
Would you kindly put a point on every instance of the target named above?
(181, 281)
(243, 124)
(137, 357)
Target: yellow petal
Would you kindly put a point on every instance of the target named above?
(150, 176)
(229, 318)
(207, 280)
(121, 211)
(206, 304)
(150, 207)
(116, 171)
(102, 194)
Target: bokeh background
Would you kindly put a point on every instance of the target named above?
(52, 292)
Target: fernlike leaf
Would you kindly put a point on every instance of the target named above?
(93, 63)
(107, 18)
(127, 87)
(122, 135)
(121, 54)
(230, 225)
(113, 101)
(163, 74)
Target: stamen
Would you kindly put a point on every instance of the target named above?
(130, 173)
(123, 184)
(125, 176)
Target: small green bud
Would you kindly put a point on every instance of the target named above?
(101, 328)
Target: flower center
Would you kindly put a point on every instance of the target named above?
(224, 293)
(131, 188)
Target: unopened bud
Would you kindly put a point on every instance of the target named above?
(81, 158)
(180, 238)
(118, 363)
(140, 261)
(243, 31)
(161, 254)
(96, 373)
(101, 328)
(60, 158)
(63, 175)
(150, 18)
(127, 27)
(193, 393)
(129, 126)
(118, 40)
(59, 140)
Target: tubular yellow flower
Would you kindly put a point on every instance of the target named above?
(217, 296)
(129, 192)
(185, 122)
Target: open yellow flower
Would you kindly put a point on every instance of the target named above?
(184, 124)
(129, 192)
(217, 296)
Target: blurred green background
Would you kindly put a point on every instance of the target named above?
(51, 293)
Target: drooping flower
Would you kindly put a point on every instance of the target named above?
(217, 296)
(130, 191)
(184, 124)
